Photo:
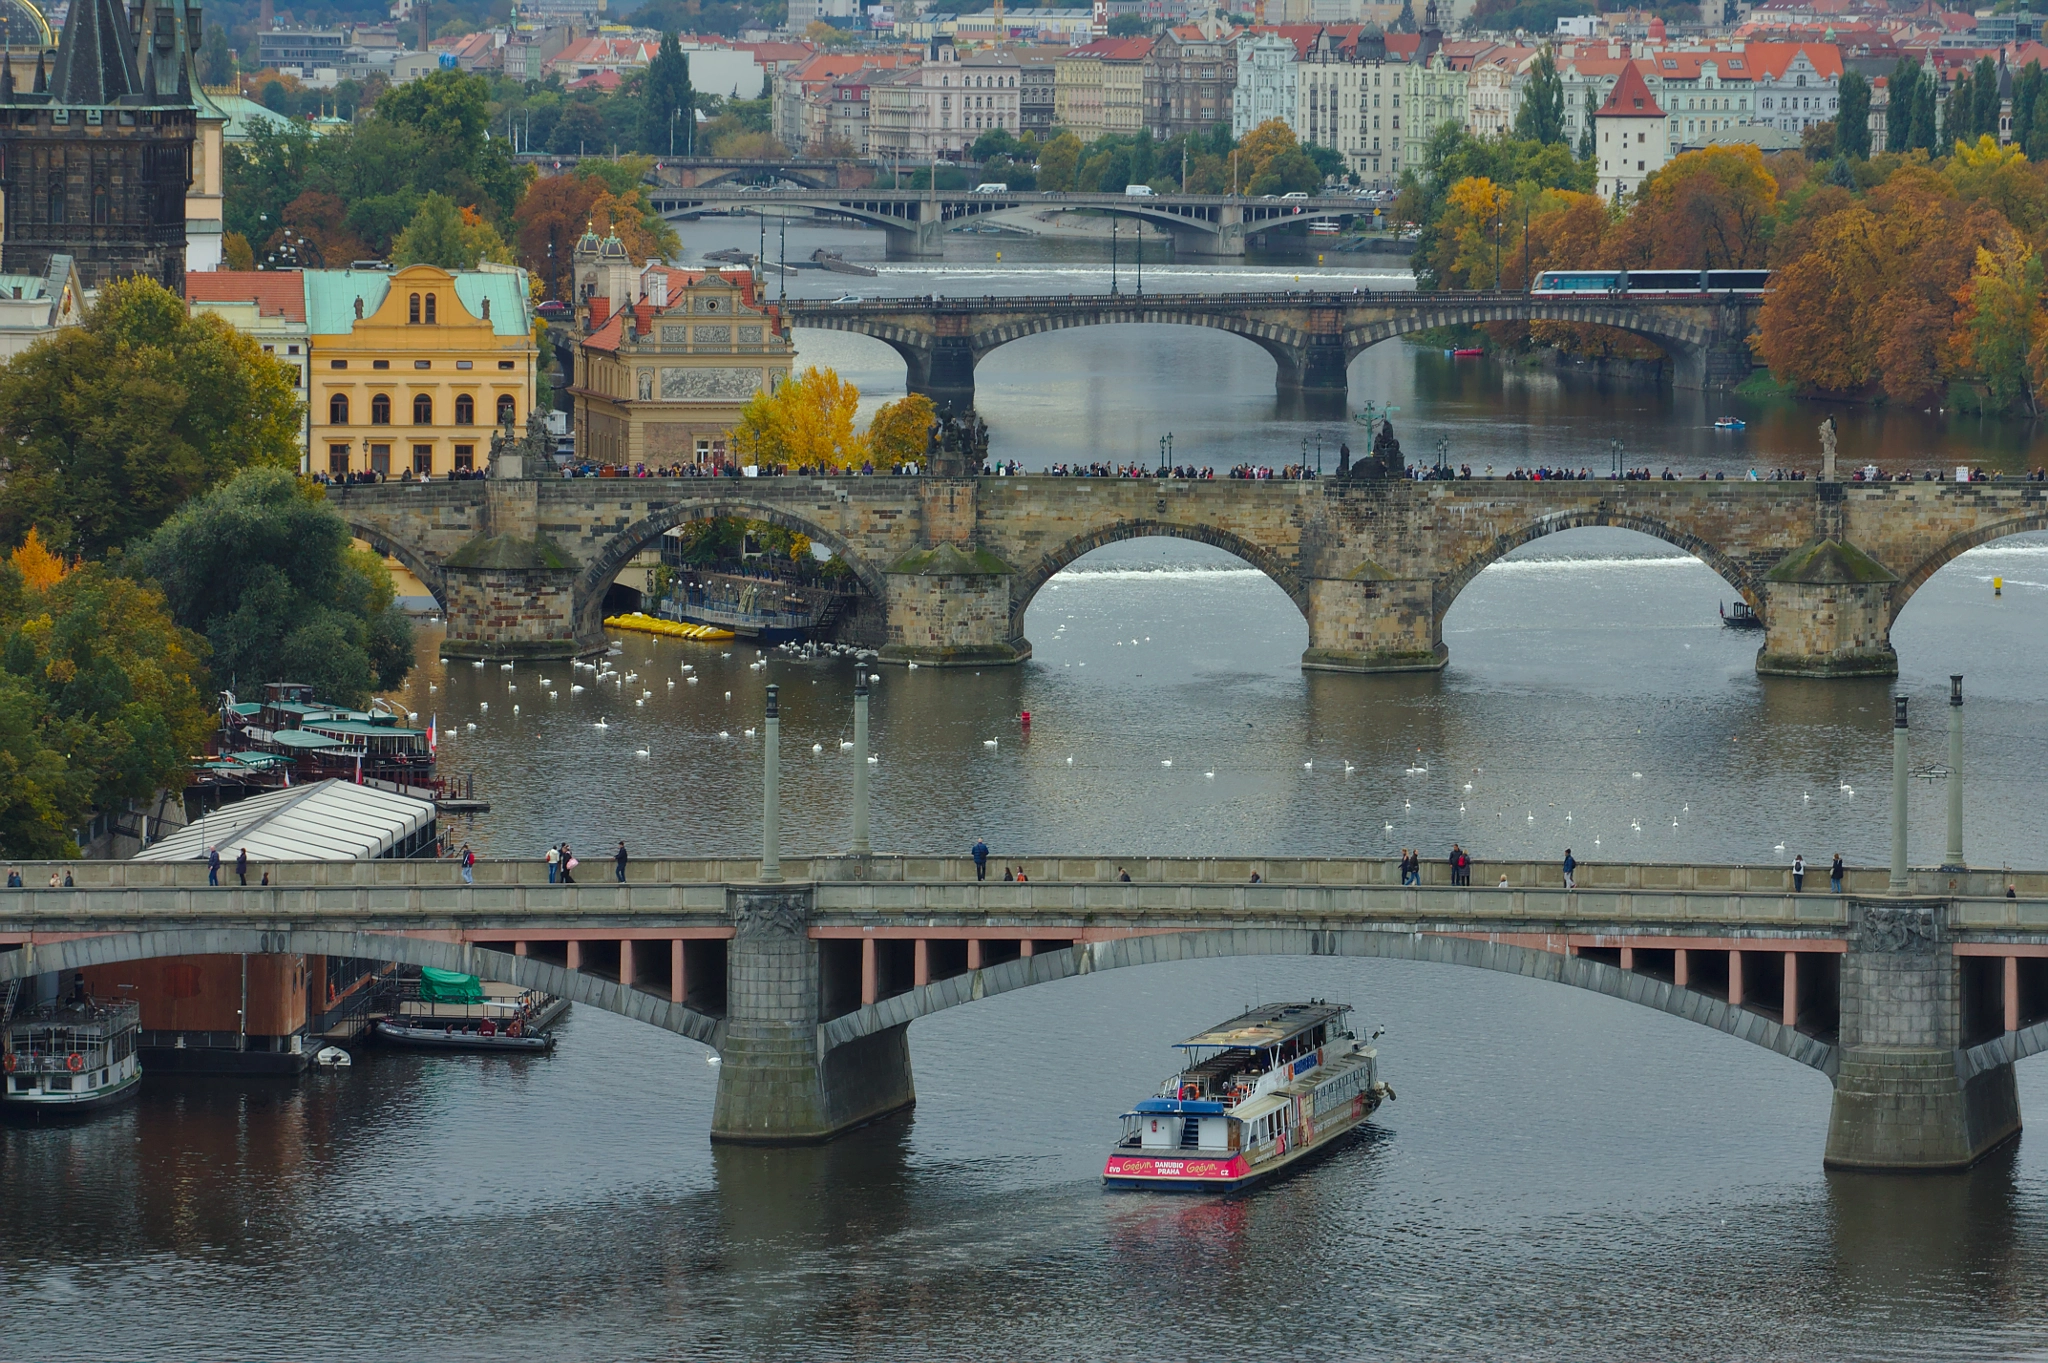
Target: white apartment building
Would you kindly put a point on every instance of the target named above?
(1266, 82)
(937, 110)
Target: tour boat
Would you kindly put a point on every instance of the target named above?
(445, 1010)
(1258, 1094)
(1740, 616)
(70, 1058)
(1324, 228)
(1470, 352)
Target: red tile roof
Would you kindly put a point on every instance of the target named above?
(1630, 98)
(606, 337)
(276, 293)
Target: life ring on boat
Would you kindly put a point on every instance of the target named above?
(514, 1028)
(10, 1062)
(74, 1062)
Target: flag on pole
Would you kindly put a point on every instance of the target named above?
(433, 734)
(359, 768)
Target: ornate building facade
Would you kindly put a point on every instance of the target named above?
(96, 157)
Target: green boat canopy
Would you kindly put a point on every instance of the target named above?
(447, 986)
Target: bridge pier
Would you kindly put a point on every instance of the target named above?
(1372, 623)
(950, 606)
(775, 1085)
(946, 374)
(1828, 613)
(923, 240)
(1905, 1098)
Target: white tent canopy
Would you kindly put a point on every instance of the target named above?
(325, 821)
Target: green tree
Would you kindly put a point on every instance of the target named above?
(668, 118)
(264, 569)
(1984, 100)
(112, 424)
(1588, 147)
(101, 702)
(2029, 116)
(1128, 26)
(1059, 162)
(1286, 173)
(2002, 320)
(216, 61)
(1852, 120)
(1541, 115)
(1959, 116)
(442, 234)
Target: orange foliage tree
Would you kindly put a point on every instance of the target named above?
(1708, 209)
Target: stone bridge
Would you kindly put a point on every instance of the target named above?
(1312, 337)
(1914, 1006)
(917, 220)
(694, 172)
(948, 567)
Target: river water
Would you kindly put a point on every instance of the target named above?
(1563, 1176)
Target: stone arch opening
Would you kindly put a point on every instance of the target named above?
(604, 569)
(2032, 519)
(1032, 578)
(1472, 952)
(1446, 589)
(1682, 342)
(1286, 348)
(526, 972)
(428, 574)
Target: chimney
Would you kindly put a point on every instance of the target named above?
(654, 285)
(266, 19)
(600, 311)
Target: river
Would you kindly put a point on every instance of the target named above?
(1564, 1175)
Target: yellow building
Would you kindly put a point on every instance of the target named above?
(671, 359)
(412, 369)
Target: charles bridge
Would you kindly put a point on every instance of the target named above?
(1913, 1002)
(1312, 337)
(948, 567)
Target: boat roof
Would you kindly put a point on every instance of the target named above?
(303, 738)
(323, 821)
(1269, 1024)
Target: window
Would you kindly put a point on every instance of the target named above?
(380, 458)
(504, 364)
(380, 364)
(337, 410)
(423, 459)
(465, 458)
(337, 364)
(422, 364)
(412, 310)
(465, 410)
(430, 309)
(337, 459)
(380, 410)
(465, 364)
(291, 350)
(423, 410)
(56, 198)
(507, 408)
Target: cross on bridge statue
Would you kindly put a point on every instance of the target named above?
(1385, 460)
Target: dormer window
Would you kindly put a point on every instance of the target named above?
(430, 310)
(412, 310)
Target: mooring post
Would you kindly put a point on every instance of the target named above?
(860, 764)
(771, 811)
(1898, 884)
(1954, 860)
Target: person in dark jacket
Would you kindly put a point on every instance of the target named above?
(242, 867)
(619, 862)
(980, 859)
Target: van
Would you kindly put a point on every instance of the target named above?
(992, 187)
(1295, 194)
(1137, 191)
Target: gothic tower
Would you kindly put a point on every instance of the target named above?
(94, 163)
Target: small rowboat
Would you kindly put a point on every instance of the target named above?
(1729, 423)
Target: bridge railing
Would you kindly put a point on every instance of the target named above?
(1331, 872)
(1217, 302)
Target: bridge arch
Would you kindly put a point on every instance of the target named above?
(1446, 589)
(2033, 518)
(1032, 578)
(1088, 957)
(524, 971)
(604, 568)
(428, 573)
(1684, 335)
(1286, 345)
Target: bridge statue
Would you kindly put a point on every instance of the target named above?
(1827, 450)
(524, 456)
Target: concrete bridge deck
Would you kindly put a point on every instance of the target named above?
(1312, 336)
(1915, 1006)
(948, 567)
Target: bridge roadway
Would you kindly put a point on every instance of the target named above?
(1312, 336)
(1914, 1006)
(948, 567)
(917, 221)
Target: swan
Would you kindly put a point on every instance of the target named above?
(817, 747)
(1166, 762)
(639, 752)
(988, 743)
(600, 723)
(1209, 775)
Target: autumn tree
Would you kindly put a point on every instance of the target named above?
(453, 238)
(2002, 334)
(1710, 208)
(807, 422)
(320, 235)
(900, 429)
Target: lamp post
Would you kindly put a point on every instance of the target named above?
(860, 764)
(771, 812)
(1898, 881)
(1954, 860)
(1112, 257)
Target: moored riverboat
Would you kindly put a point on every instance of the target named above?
(69, 1058)
(444, 1010)
(1258, 1094)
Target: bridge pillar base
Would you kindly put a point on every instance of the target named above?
(774, 1087)
(1904, 1100)
(511, 613)
(1828, 629)
(950, 607)
(1373, 625)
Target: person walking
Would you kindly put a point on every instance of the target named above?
(980, 859)
(619, 862)
(213, 866)
(1570, 865)
(554, 858)
(468, 865)
(14, 877)
(1835, 875)
(568, 865)
(1798, 874)
(242, 867)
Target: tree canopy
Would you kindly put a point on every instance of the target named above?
(264, 569)
(1540, 117)
(117, 422)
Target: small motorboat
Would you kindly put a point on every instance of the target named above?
(333, 1057)
(1466, 353)
(1740, 616)
(1324, 228)
(1731, 423)
(847, 298)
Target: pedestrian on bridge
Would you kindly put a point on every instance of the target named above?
(980, 859)
(619, 862)
(1835, 875)
(553, 859)
(568, 865)
(213, 866)
(1570, 865)
(1461, 866)
(1798, 875)
(242, 867)
(468, 865)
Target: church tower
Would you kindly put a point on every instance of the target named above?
(95, 160)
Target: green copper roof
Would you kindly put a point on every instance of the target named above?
(331, 299)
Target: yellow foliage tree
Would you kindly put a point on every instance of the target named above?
(900, 430)
(1472, 224)
(1261, 146)
(806, 423)
(40, 569)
